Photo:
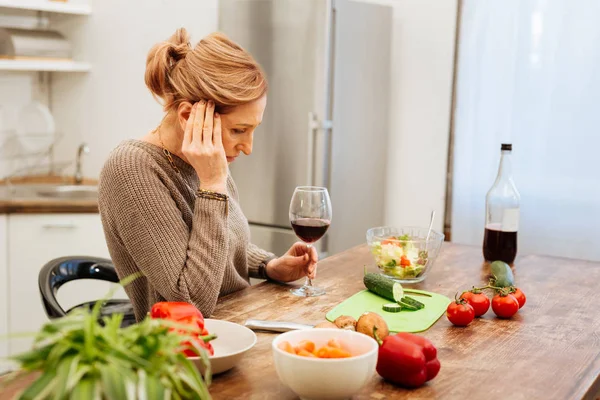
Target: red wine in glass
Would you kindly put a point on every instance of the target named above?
(310, 216)
(309, 230)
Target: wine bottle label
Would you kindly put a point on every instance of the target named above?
(510, 220)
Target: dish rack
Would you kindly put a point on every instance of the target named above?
(23, 162)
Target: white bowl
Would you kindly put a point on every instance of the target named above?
(326, 379)
(232, 342)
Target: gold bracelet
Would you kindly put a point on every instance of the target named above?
(209, 194)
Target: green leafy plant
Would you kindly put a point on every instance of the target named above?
(81, 358)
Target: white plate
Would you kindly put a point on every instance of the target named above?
(35, 127)
(232, 342)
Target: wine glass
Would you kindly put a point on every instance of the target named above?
(310, 216)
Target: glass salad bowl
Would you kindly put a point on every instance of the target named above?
(404, 254)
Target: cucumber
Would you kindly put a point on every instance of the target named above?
(407, 306)
(503, 276)
(392, 307)
(412, 302)
(382, 286)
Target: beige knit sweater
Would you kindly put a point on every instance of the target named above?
(189, 248)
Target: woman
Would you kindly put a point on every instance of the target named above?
(169, 207)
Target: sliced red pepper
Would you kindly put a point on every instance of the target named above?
(188, 315)
(404, 261)
(175, 311)
(190, 352)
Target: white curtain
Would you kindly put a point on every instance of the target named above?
(529, 74)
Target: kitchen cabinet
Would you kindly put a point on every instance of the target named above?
(35, 239)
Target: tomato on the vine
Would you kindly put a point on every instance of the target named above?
(460, 313)
(479, 301)
(505, 306)
(520, 296)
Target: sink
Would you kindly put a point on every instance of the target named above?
(74, 192)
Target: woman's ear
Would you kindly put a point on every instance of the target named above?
(183, 113)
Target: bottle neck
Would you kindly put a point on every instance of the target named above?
(505, 169)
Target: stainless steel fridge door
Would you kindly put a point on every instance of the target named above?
(288, 38)
(276, 240)
(359, 137)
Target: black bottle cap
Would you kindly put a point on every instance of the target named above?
(506, 146)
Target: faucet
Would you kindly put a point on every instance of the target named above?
(83, 148)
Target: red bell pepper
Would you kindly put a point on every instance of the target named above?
(176, 311)
(203, 342)
(407, 360)
(186, 314)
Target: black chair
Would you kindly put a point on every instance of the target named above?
(59, 271)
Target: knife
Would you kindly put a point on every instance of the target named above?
(274, 326)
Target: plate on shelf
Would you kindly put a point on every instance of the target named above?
(35, 127)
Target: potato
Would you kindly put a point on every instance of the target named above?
(345, 322)
(326, 324)
(368, 321)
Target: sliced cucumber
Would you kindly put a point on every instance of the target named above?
(384, 287)
(407, 306)
(398, 291)
(413, 302)
(392, 307)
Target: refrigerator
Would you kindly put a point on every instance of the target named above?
(326, 120)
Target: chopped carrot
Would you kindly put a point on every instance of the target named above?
(305, 353)
(306, 348)
(305, 345)
(323, 352)
(287, 347)
(332, 352)
(404, 261)
(339, 353)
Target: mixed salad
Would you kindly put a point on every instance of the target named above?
(397, 256)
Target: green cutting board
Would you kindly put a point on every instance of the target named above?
(403, 321)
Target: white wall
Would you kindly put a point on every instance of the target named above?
(421, 93)
(528, 75)
(112, 103)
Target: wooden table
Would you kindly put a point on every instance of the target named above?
(549, 350)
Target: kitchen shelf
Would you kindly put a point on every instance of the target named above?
(49, 6)
(43, 65)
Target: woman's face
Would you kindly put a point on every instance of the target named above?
(238, 125)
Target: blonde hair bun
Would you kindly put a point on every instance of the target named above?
(215, 69)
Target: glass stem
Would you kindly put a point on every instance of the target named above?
(308, 281)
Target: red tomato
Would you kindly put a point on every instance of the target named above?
(505, 306)
(460, 313)
(479, 301)
(404, 261)
(520, 296)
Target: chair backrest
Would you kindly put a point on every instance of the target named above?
(59, 271)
